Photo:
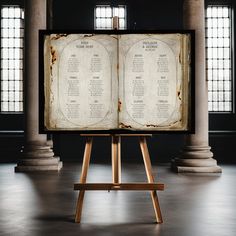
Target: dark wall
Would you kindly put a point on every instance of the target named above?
(72, 14)
(155, 14)
(149, 14)
(162, 148)
(142, 14)
(10, 147)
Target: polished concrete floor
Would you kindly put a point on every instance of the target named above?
(44, 203)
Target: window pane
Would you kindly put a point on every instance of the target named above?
(17, 12)
(226, 22)
(214, 11)
(4, 11)
(218, 47)
(17, 86)
(11, 74)
(225, 12)
(98, 23)
(220, 23)
(108, 12)
(4, 85)
(122, 23)
(108, 23)
(103, 10)
(4, 106)
(17, 107)
(115, 11)
(209, 10)
(121, 12)
(103, 24)
(220, 52)
(98, 12)
(221, 96)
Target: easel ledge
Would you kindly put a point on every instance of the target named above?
(116, 173)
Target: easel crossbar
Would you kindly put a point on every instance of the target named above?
(151, 186)
(121, 186)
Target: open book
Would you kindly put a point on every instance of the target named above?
(117, 81)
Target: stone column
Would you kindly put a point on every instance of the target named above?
(196, 155)
(36, 154)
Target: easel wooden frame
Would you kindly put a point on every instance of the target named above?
(116, 173)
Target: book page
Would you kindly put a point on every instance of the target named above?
(153, 81)
(80, 82)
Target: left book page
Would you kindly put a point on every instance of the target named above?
(80, 82)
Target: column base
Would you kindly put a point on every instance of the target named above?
(195, 169)
(36, 157)
(195, 159)
(32, 168)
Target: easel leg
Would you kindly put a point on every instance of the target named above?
(83, 177)
(150, 177)
(116, 159)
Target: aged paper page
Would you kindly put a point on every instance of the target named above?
(152, 94)
(81, 82)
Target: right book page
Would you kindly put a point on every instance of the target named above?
(154, 81)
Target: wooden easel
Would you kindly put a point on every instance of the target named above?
(116, 173)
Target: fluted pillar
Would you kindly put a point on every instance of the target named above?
(37, 155)
(196, 155)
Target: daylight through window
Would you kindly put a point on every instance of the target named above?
(104, 15)
(11, 59)
(219, 63)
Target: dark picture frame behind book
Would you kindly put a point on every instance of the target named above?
(116, 81)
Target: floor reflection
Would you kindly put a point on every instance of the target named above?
(44, 203)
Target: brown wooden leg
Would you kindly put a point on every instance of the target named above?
(83, 177)
(150, 177)
(116, 158)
